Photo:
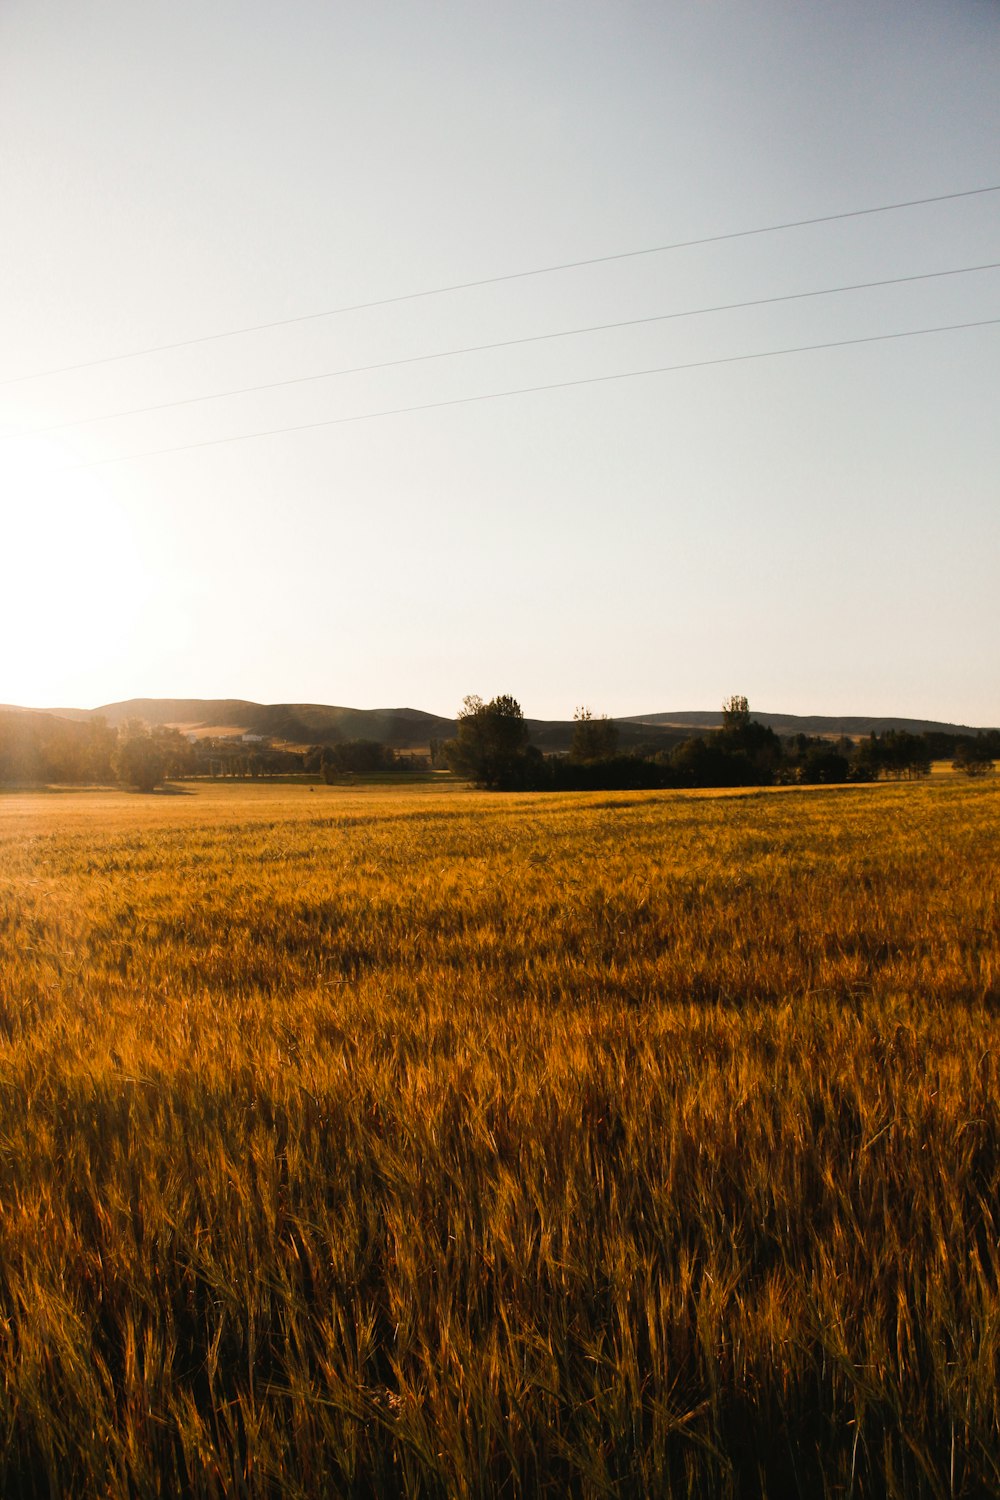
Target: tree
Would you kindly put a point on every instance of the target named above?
(175, 751)
(897, 754)
(137, 760)
(100, 748)
(735, 713)
(743, 736)
(593, 739)
(715, 761)
(490, 744)
(973, 757)
(823, 764)
(356, 758)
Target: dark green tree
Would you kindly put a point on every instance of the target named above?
(823, 765)
(593, 739)
(489, 747)
(357, 758)
(735, 713)
(973, 757)
(714, 761)
(744, 737)
(896, 754)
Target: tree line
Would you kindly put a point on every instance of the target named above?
(492, 748)
(39, 748)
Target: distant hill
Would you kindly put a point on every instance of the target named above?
(234, 711)
(80, 715)
(412, 728)
(296, 723)
(798, 724)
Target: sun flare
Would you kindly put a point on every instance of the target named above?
(71, 576)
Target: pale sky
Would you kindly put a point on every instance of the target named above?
(819, 531)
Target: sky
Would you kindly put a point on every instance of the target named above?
(817, 530)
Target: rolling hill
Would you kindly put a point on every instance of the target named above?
(412, 728)
(813, 724)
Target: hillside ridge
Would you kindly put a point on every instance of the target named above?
(407, 728)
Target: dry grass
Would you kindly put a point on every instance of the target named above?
(438, 1144)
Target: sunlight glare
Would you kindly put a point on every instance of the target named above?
(71, 578)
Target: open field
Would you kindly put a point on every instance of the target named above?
(433, 1143)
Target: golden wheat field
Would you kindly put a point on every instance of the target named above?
(431, 1143)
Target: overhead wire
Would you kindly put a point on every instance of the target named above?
(697, 364)
(459, 286)
(389, 364)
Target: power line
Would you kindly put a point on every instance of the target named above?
(462, 286)
(529, 390)
(535, 338)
